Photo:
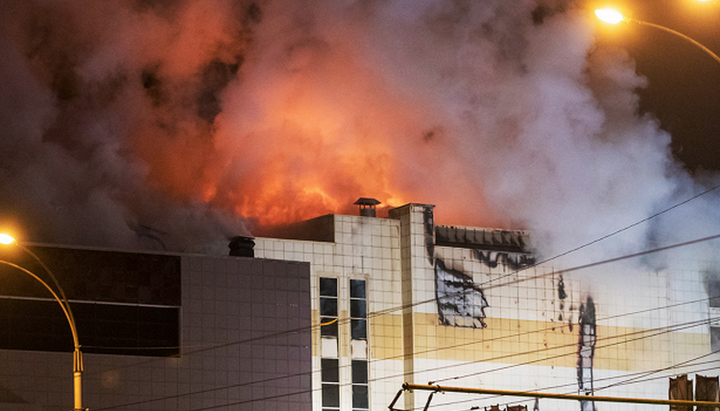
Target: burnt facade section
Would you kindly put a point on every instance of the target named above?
(586, 352)
(460, 302)
(511, 241)
(429, 225)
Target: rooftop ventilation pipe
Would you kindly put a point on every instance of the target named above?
(242, 246)
(367, 206)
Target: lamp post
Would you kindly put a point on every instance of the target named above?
(65, 305)
(614, 17)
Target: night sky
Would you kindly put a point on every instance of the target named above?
(683, 89)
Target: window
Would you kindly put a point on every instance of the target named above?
(358, 345)
(329, 317)
(329, 363)
(329, 307)
(330, 384)
(358, 311)
(121, 302)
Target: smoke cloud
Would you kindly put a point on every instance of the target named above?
(176, 124)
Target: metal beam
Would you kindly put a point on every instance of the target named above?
(438, 388)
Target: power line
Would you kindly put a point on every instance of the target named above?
(370, 315)
(665, 330)
(383, 312)
(549, 328)
(484, 360)
(576, 268)
(610, 260)
(628, 382)
(614, 232)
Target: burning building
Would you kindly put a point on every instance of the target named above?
(339, 316)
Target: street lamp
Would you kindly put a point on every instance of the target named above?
(65, 305)
(614, 17)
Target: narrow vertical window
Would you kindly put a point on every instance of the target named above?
(358, 345)
(329, 363)
(330, 384)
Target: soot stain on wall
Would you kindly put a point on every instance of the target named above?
(586, 352)
(460, 301)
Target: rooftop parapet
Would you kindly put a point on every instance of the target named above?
(482, 238)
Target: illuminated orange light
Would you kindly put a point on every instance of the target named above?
(6, 239)
(609, 16)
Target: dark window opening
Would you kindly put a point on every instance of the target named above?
(359, 372)
(330, 395)
(328, 306)
(329, 328)
(328, 287)
(357, 289)
(358, 309)
(329, 364)
(359, 329)
(102, 328)
(360, 397)
(330, 372)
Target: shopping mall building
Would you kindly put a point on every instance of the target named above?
(338, 315)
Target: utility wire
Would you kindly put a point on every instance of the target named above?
(673, 328)
(644, 220)
(548, 328)
(348, 384)
(307, 329)
(370, 315)
(607, 261)
(490, 397)
(633, 380)
(444, 348)
(576, 268)
(383, 312)
(398, 375)
(406, 306)
(656, 332)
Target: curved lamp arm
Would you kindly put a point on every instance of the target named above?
(65, 309)
(613, 16)
(677, 33)
(77, 354)
(52, 276)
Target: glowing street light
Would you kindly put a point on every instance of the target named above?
(64, 304)
(614, 17)
(611, 16)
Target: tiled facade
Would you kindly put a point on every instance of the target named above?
(531, 334)
(339, 321)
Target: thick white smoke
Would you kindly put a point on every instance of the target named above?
(131, 123)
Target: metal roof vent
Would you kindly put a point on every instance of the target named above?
(242, 247)
(367, 206)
